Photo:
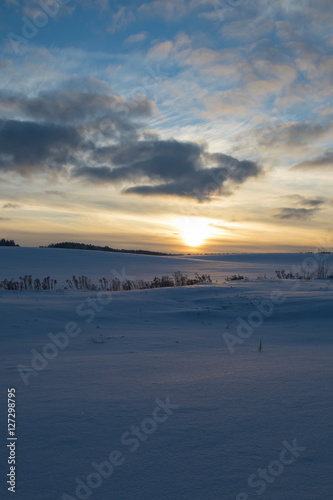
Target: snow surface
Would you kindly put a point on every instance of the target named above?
(61, 264)
(236, 409)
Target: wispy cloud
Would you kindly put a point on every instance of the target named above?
(137, 38)
(11, 205)
(321, 162)
(306, 201)
(299, 214)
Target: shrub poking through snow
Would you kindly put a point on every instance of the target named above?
(98, 339)
(281, 274)
(81, 283)
(304, 274)
(115, 285)
(28, 283)
(235, 277)
(317, 268)
(105, 284)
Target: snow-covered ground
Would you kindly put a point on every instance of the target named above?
(61, 264)
(168, 384)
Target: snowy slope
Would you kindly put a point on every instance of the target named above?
(237, 410)
(61, 264)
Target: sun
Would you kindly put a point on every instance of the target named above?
(194, 231)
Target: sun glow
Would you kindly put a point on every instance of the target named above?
(194, 231)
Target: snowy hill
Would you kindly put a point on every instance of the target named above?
(61, 264)
(163, 394)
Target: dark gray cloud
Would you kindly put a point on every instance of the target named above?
(101, 144)
(26, 147)
(305, 207)
(296, 213)
(316, 202)
(147, 167)
(182, 169)
(322, 162)
(77, 107)
(97, 117)
(313, 202)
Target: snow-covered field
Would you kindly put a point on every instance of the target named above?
(162, 394)
(61, 264)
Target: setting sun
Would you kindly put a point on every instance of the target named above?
(194, 231)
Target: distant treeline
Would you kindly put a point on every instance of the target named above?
(8, 243)
(85, 246)
(320, 251)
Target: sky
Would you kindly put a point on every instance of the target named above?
(170, 125)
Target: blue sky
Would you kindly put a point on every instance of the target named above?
(137, 123)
